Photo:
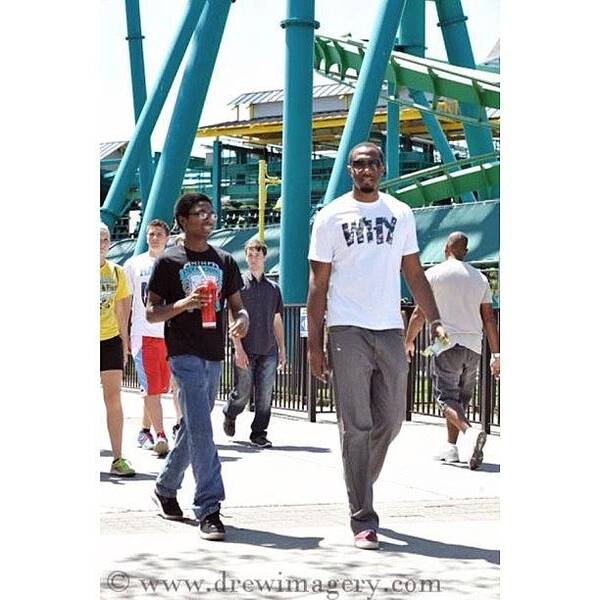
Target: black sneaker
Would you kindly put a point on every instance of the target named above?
(229, 426)
(167, 507)
(261, 442)
(211, 527)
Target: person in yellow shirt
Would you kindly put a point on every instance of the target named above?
(115, 303)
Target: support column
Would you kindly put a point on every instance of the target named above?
(459, 51)
(138, 87)
(115, 202)
(411, 39)
(297, 148)
(216, 180)
(175, 157)
(368, 88)
(392, 138)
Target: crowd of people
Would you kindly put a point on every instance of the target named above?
(360, 244)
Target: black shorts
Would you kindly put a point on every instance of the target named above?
(111, 354)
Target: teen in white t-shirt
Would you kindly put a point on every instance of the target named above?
(138, 269)
(147, 340)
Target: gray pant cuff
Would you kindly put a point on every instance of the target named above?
(453, 404)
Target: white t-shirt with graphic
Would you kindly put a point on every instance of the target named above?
(365, 243)
(137, 270)
(459, 291)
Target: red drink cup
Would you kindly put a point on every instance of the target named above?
(208, 312)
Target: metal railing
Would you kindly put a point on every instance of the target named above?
(295, 389)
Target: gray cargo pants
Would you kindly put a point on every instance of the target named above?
(369, 382)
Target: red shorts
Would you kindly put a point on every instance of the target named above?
(151, 366)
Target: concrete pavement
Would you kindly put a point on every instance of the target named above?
(286, 516)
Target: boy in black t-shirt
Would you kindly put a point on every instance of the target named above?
(195, 354)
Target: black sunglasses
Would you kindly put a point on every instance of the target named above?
(362, 164)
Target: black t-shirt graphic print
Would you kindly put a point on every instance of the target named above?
(178, 272)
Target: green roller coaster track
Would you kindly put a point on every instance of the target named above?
(341, 60)
(405, 70)
(423, 188)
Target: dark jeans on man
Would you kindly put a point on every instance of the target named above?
(260, 378)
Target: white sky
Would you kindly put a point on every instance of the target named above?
(252, 52)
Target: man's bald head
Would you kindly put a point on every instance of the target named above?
(456, 245)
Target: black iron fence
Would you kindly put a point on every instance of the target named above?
(295, 389)
(485, 404)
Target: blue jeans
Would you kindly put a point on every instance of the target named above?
(198, 381)
(260, 377)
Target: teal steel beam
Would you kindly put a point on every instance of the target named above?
(138, 88)
(434, 128)
(411, 39)
(413, 22)
(216, 179)
(392, 137)
(368, 88)
(411, 33)
(452, 22)
(179, 140)
(297, 147)
(116, 201)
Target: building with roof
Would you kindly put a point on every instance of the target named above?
(259, 119)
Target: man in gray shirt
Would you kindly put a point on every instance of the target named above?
(463, 296)
(260, 352)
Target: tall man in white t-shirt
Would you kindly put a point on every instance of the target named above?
(360, 242)
(147, 340)
(464, 298)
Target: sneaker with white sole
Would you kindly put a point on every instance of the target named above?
(211, 527)
(145, 440)
(366, 540)
(121, 468)
(471, 448)
(448, 454)
(261, 442)
(162, 446)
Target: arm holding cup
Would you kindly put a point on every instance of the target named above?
(157, 312)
